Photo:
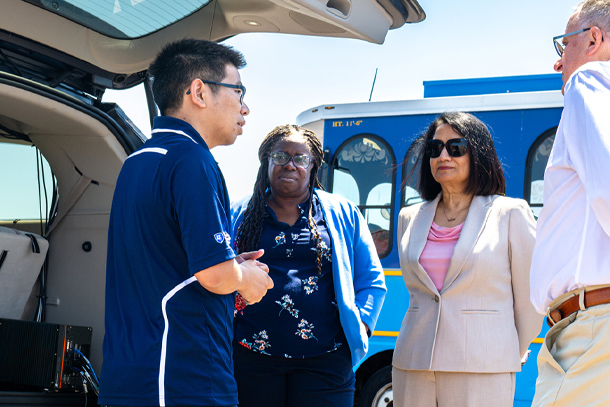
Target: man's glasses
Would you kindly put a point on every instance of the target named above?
(242, 88)
(456, 147)
(559, 47)
(299, 161)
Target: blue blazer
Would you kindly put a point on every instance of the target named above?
(357, 273)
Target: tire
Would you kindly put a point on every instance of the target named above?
(377, 391)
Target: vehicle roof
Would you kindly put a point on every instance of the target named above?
(497, 84)
(475, 103)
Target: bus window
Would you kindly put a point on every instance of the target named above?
(410, 176)
(345, 185)
(537, 159)
(363, 172)
(379, 218)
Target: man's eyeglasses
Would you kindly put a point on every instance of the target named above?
(456, 147)
(299, 161)
(559, 47)
(242, 88)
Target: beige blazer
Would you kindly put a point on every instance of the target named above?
(482, 320)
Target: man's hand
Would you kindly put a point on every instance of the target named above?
(255, 278)
(244, 274)
(250, 256)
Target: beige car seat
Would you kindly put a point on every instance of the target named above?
(21, 258)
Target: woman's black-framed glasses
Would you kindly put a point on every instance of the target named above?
(456, 147)
(227, 85)
(299, 161)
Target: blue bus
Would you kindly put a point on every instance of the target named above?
(366, 147)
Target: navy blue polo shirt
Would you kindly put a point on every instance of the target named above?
(298, 317)
(168, 340)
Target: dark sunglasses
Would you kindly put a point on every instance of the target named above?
(299, 161)
(456, 147)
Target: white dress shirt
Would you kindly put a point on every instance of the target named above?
(573, 233)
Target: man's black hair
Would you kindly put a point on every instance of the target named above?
(180, 62)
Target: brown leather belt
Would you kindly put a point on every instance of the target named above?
(572, 304)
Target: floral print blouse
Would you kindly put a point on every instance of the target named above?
(298, 317)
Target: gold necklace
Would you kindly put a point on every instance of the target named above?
(456, 215)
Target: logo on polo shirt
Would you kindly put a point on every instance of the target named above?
(222, 236)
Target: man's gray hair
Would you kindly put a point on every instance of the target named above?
(591, 13)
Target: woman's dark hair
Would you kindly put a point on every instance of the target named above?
(250, 230)
(181, 62)
(486, 174)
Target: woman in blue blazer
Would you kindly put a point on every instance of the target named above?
(298, 345)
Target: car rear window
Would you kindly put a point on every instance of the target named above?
(123, 19)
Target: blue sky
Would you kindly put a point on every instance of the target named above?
(288, 74)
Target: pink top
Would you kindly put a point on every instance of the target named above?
(437, 253)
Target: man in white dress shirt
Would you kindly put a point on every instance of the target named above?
(570, 276)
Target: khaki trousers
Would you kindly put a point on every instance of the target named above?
(420, 388)
(574, 361)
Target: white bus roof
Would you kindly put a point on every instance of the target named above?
(475, 103)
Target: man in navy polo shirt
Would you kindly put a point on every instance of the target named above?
(171, 269)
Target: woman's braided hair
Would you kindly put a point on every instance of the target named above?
(251, 228)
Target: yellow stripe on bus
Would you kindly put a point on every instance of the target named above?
(392, 272)
(385, 333)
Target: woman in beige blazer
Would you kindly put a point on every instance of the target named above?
(465, 256)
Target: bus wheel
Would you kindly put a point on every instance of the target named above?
(377, 391)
